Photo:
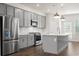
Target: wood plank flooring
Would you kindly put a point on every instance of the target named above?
(71, 50)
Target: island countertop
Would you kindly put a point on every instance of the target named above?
(57, 34)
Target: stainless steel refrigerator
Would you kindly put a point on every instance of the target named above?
(9, 27)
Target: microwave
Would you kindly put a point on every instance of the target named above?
(34, 23)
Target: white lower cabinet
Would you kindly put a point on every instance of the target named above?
(23, 41)
(30, 40)
(26, 41)
(20, 43)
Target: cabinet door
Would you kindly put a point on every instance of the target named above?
(19, 15)
(29, 18)
(25, 41)
(21, 43)
(26, 19)
(32, 14)
(30, 40)
(34, 17)
(2, 9)
(43, 21)
(39, 21)
(10, 10)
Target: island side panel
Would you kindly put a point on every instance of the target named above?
(49, 44)
(62, 43)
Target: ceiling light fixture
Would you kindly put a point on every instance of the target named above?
(56, 15)
(61, 4)
(62, 18)
(37, 5)
(48, 10)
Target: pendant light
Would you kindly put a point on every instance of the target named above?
(62, 18)
(56, 15)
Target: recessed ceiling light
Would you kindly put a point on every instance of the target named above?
(61, 4)
(37, 5)
(48, 10)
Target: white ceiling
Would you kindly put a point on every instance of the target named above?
(67, 8)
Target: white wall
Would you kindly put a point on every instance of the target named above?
(51, 25)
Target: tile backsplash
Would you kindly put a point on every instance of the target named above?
(25, 31)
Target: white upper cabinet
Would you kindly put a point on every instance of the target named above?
(10, 10)
(19, 15)
(34, 17)
(27, 18)
(2, 9)
(41, 21)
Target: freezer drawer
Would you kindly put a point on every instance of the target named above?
(6, 48)
(15, 46)
(10, 47)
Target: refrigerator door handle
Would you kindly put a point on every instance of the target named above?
(10, 19)
(14, 27)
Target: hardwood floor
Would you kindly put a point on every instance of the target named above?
(71, 50)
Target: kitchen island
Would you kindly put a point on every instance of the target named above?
(54, 43)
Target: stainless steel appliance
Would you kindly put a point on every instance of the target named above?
(8, 35)
(37, 38)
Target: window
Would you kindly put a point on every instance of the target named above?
(67, 26)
